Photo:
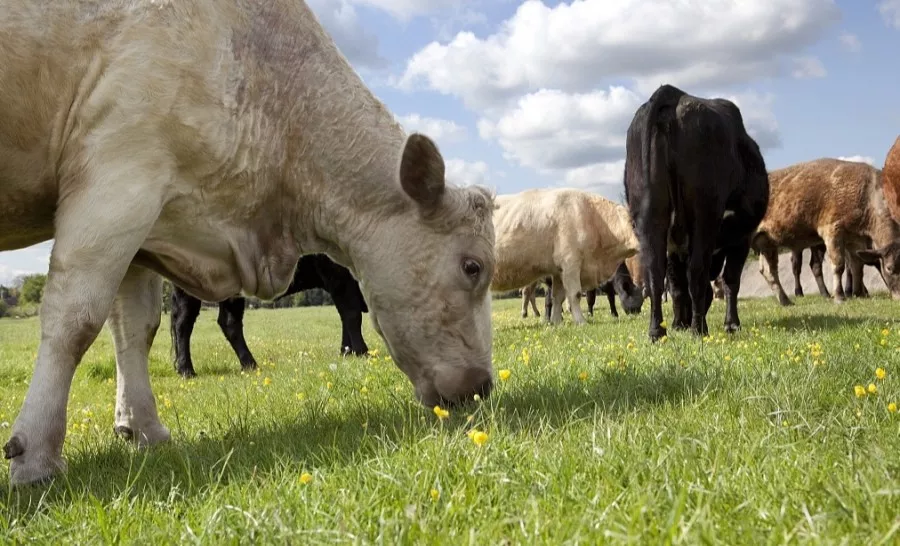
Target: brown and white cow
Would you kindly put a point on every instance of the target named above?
(575, 237)
(215, 143)
(840, 203)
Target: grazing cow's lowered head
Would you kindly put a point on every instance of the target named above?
(440, 247)
(888, 259)
(631, 295)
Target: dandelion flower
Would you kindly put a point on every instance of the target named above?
(364, 390)
(885, 332)
(478, 437)
(892, 407)
(267, 381)
(859, 390)
(504, 374)
(305, 478)
(880, 373)
(872, 388)
(441, 413)
(663, 324)
(583, 376)
(435, 495)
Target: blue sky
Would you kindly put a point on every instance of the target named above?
(534, 94)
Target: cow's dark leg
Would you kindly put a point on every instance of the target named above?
(548, 299)
(532, 297)
(655, 262)
(591, 298)
(185, 310)
(816, 257)
(855, 277)
(346, 303)
(796, 268)
(558, 291)
(731, 278)
(676, 273)
(611, 298)
(231, 321)
(768, 266)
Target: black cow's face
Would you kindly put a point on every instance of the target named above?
(888, 257)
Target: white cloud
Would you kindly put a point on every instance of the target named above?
(575, 47)
(467, 173)
(890, 12)
(859, 158)
(759, 120)
(340, 19)
(406, 9)
(808, 67)
(551, 130)
(850, 42)
(440, 130)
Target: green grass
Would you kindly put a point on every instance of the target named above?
(597, 437)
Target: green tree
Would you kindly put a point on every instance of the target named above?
(33, 287)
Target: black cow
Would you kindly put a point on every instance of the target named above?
(697, 187)
(620, 284)
(313, 271)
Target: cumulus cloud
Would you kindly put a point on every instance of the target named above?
(850, 42)
(341, 20)
(808, 67)
(759, 120)
(859, 159)
(467, 173)
(440, 130)
(890, 12)
(577, 46)
(406, 9)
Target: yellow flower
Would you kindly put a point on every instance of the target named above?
(305, 478)
(880, 373)
(583, 376)
(885, 332)
(663, 324)
(329, 385)
(504, 374)
(872, 388)
(727, 358)
(441, 412)
(477, 436)
(435, 495)
(477, 398)
(267, 381)
(364, 390)
(892, 407)
(859, 390)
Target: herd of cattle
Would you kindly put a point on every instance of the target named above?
(231, 148)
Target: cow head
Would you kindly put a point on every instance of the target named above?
(425, 271)
(887, 258)
(631, 295)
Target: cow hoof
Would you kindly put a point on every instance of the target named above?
(657, 333)
(152, 434)
(798, 293)
(785, 302)
(187, 373)
(31, 466)
(732, 328)
(249, 367)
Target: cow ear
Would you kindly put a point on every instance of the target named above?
(422, 171)
(870, 257)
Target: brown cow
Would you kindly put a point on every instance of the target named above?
(214, 143)
(840, 203)
(890, 179)
(573, 236)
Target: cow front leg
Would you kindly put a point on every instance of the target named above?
(768, 266)
(559, 295)
(351, 323)
(231, 322)
(855, 277)
(676, 273)
(185, 310)
(796, 268)
(571, 280)
(611, 300)
(88, 262)
(731, 278)
(836, 253)
(590, 298)
(133, 322)
(526, 295)
(816, 257)
(548, 299)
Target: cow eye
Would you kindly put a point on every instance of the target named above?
(471, 268)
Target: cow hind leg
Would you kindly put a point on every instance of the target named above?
(835, 248)
(548, 299)
(768, 266)
(796, 268)
(185, 310)
(816, 257)
(231, 322)
(351, 323)
(90, 257)
(133, 321)
(571, 280)
(559, 294)
(591, 299)
(731, 277)
(676, 273)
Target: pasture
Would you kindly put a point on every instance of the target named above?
(594, 436)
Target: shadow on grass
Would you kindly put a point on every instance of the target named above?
(249, 452)
(819, 322)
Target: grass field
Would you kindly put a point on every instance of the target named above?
(595, 437)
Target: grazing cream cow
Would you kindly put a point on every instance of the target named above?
(215, 142)
(840, 203)
(576, 238)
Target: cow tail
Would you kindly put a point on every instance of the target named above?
(666, 95)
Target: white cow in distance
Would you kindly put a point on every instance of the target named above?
(215, 142)
(575, 237)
